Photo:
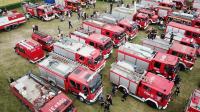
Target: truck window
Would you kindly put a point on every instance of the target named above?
(78, 86)
(174, 53)
(81, 58)
(195, 35)
(147, 88)
(21, 50)
(73, 84)
(92, 43)
(197, 24)
(159, 94)
(188, 33)
(85, 90)
(180, 55)
(108, 33)
(157, 64)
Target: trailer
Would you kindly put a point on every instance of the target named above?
(147, 87)
(71, 76)
(39, 96)
(116, 33)
(193, 104)
(11, 19)
(98, 41)
(186, 54)
(146, 58)
(79, 52)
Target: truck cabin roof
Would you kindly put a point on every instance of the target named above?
(158, 83)
(73, 1)
(29, 44)
(44, 36)
(139, 50)
(166, 58)
(84, 76)
(184, 27)
(183, 49)
(142, 15)
(72, 45)
(38, 94)
(58, 65)
(102, 39)
(195, 100)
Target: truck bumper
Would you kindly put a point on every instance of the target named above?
(107, 55)
(97, 95)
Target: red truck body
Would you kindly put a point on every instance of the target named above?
(116, 33)
(71, 76)
(59, 9)
(186, 54)
(72, 4)
(79, 52)
(98, 41)
(146, 58)
(194, 102)
(45, 40)
(30, 50)
(153, 17)
(184, 31)
(11, 19)
(152, 89)
(42, 12)
(39, 96)
(142, 19)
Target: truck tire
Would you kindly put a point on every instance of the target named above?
(15, 26)
(151, 104)
(182, 67)
(81, 99)
(8, 28)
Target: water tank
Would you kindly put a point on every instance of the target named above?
(49, 1)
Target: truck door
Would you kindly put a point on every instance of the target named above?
(157, 66)
(74, 87)
(21, 51)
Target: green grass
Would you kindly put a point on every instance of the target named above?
(15, 66)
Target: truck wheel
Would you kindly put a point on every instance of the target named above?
(81, 98)
(8, 28)
(182, 67)
(87, 102)
(15, 26)
(151, 104)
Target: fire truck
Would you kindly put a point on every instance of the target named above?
(11, 19)
(160, 63)
(39, 96)
(194, 102)
(71, 76)
(183, 30)
(145, 86)
(79, 52)
(42, 12)
(186, 54)
(29, 49)
(129, 25)
(153, 18)
(184, 18)
(98, 41)
(72, 4)
(59, 9)
(45, 40)
(116, 33)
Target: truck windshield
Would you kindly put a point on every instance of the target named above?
(70, 108)
(108, 45)
(49, 41)
(98, 59)
(120, 36)
(95, 83)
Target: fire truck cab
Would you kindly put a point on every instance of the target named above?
(153, 18)
(71, 76)
(39, 96)
(142, 20)
(193, 104)
(11, 19)
(186, 54)
(152, 89)
(30, 50)
(73, 4)
(98, 41)
(148, 59)
(43, 12)
(116, 33)
(60, 10)
(79, 52)
(45, 40)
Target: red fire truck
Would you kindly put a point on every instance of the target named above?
(116, 33)
(73, 4)
(70, 76)
(59, 9)
(30, 50)
(184, 30)
(129, 25)
(148, 59)
(184, 18)
(156, 91)
(186, 54)
(79, 52)
(194, 102)
(153, 18)
(180, 4)
(98, 41)
(43, 12)
(142, 19)
(39, 96)
(11, 20)
(45, 40)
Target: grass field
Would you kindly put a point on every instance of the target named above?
(15, 66)
(7, 2)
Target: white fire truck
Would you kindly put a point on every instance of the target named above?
(39, 96)
(11, 20)
(148, 59)
(71, 76)
(156, 91)
(79, 52)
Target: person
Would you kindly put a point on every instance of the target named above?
(177, 80)
(78, 14)
(161, 22)
(33, 27)
(101, 100)
(107, 107)
(11, 80)
(36, 28)
(149, 35)
(109, 99)
(111, 6)
(70, 24)
(177, 91)
(59, 30)
(171, 38)
(154, 33)
(114, 90)
(94, 4)
(62, 17)
(162, 36)
(124, 96)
